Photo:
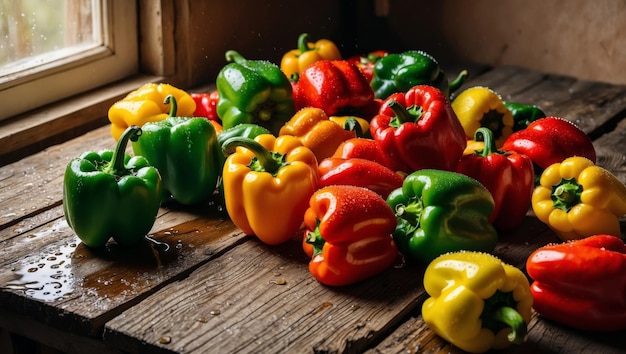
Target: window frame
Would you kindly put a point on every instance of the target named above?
(115, 59)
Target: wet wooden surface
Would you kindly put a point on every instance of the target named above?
(203, 286)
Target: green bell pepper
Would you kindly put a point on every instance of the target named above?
(523, 114)
(109, 194)
(399, 72)
(186, 153)
(253, 91)
(441, 211)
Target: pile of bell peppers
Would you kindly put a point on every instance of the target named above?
(372, 162)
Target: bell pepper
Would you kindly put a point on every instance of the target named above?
(264, 176)
(307, 53)
(245, 130)
(441, 211)
(507, 175)
(365, 149)
(336, 86)
(206, 104)
(145, 104)
(477, 302)
(253, 91)
(418, 129)
(581, 283)
(186, 153)
(480, 106)
(316, 131)
(366, 62)
(360, 126)
(523, 114)
(359, 172)
(108, 195)
(550, 140)
(348, 244)
(398, 72)
(577, 199)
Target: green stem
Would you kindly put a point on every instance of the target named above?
(411, 211)
(303, 43)
(403, 114)
(513, 320)
(566, 194)
(351, 124)
(266, 160)
(490, 143)
(117, 166)
(454, 85)
(233, 55)
(171, 100)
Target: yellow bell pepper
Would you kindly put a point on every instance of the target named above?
(312, 126)
(146, 104)
(266, 175)
(361, 125)
(477, 301)
(577, 199)
(307, 53)
(480, 106)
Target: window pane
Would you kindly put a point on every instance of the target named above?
(38, 32)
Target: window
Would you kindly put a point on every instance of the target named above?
(82, 44)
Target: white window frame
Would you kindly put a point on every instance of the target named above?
(116, 59)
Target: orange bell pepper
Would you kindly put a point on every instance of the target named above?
(348, 244)
(266, 175)
(307, 53)
(312, 126)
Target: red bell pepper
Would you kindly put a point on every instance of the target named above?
(348, 244)
(358, 172)
(336, 86)
(366, 62)
(550, 140)
(418, 129)
(581, 283)
(507, 175)
(206, 104)
(363, 148)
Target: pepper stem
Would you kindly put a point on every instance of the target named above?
(566, 194)
(171, 100)
(233, 55)
(513, 320)
(411, 212)
(454, 85)
(265, 160)
(490, 143)
(403, 114)
(117, 164)
(351, 124)
(303, 43)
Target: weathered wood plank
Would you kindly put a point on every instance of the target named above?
(611, 150)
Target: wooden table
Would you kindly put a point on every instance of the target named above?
(203, 286)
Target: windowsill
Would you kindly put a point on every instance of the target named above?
(34, 131)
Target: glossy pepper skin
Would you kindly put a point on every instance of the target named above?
(347, 244)
(398, 72)
(316, 131)
(441, 211)
(509, 177)
(477, 302)
(145, 104)
(364, 149)
(480, 106)
(550, 140)
(359, 172)
(244, 130)
(568, 290)
(307, 53)
(360, 126)
(418, 129)
(366, 62)
(253, 91)
(267, 185)
(577, 199)
(186, 153)
(337, 87)
(523, 114)
(109, 194)
(206, 104)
